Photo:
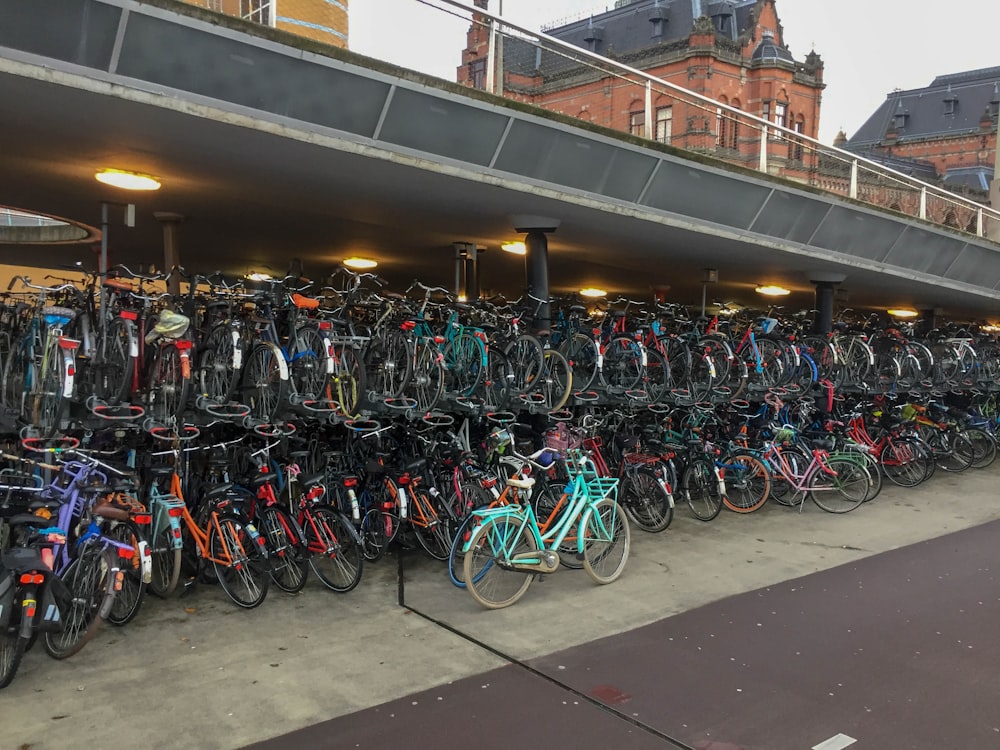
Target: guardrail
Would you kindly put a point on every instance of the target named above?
(526, 65)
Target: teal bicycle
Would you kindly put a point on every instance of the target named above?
(508, 549)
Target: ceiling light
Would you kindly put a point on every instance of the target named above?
(898, 312)
(771, 290)
(517, 248)
(119, 178)
(592, 291)
(259, 276)
(360, 263)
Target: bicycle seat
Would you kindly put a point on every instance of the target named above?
(112, 511)
(311, 479)
(524, 484)
(261, 479)
(303, 302)
(217, 490)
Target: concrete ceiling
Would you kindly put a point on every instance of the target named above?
(253, 199)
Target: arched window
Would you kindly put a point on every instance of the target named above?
(637, 119)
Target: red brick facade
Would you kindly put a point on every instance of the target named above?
(321, 20)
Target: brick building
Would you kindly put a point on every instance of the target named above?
(945, 132)
(320, 20)
(732, 51)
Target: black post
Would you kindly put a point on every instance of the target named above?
(824, 307)
(536, 268)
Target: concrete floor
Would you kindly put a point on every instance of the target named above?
(198, 672)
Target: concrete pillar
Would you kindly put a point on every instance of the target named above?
(471, 274)
(826, 283)
(171, 246)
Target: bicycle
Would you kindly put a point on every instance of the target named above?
(508, 548)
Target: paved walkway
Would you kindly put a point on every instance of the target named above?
(780, 629)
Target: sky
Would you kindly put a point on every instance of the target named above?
(869, 47)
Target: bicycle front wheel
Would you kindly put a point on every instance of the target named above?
(748, 483)
(701, 489)
(646, 502)
(488, 574)
(289, 566)
(12, 648)
(166, 561)
(89, 579)
(129, 599)
(238, 561)
(334, 548)
(51, 399)
(842, 491)
(606, 541)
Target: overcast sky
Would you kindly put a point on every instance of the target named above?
(869, 47)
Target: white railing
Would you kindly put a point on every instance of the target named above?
(527, 65)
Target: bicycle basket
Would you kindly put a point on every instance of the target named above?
(562, 438)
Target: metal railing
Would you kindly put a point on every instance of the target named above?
(536, 68)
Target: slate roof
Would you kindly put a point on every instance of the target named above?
(923, 113)
(630, 28)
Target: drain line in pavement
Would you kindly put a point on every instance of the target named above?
(401, 599)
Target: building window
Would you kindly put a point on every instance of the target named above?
(637, 123)
(795, 147)
(215, 5)
(657, 24)
(780, 119)
(727, 130)
(258, 11)
(664, 124)
(477, 73)
(950, 105)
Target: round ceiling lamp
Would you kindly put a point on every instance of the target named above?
(126, 180)
(902, 312)
(515, 248)
(360, 264)
(772, 290)
(594, 292)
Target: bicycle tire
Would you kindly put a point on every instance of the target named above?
(388, 364)
(50, 400)
(904, 462)
(701, 489)
(218, 374)
(497, 383)
(841, 493)
(348, 379)
(985, 447)
(166, 562)
(433, 527)
(245, 575)
(89, 579)
(606, 541)
(463, 357)
(527, 359)
(748, 483)
(288, 564)
(12, 648)
(128, 599)
(265, 387)
(656, 376)
(645, 501)
(545, 500)
(111, 374)
(622, 367)
(379, 529)
(307, 360)
(427, 379)
(488, 578)
(16, 376)
(168, 387)
(456, 557)
(581, 352)
(335, 553)
(557, 381)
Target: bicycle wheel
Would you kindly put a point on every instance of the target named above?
(388, 364)
(307, 373)
(487, 571)
(557, 381)
(239, 561)
(527, 360)
(548, 498)
(111, 374)
(984, 446)
(334, 548)
(842, 491)
(427, 380)
(378, 530)
(904, 462)
(581, 352)
(264, 385)
(606, 541)
(288, 563)
(647, 504)
(90, 581)
(748, 483)
(463, 357)
(17, 374)
(51, 399)
(456, 557)
(622, 367)
(496, 384)
(12, 648)
(432, 526)
(217, 371)
(701, 489)
(167, 387)
(166, 560)
(129, 598)
(348, 379)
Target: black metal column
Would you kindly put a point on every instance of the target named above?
(824, 307)
(536, 270)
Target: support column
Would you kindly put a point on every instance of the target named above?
(536, 261)
(826, 283)
(171, 246)
(471, 274)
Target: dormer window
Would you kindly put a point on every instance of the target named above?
(899, 120)
(658, 16)
(593, 35)
(657, 26)
(950, 104)
(994, 105)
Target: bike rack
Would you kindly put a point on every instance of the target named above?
(586, 396)
(232, 410)
(114, 412)
(363, 425)
(171, 433)
(561, 415)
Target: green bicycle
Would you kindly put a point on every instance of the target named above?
(507, 549)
